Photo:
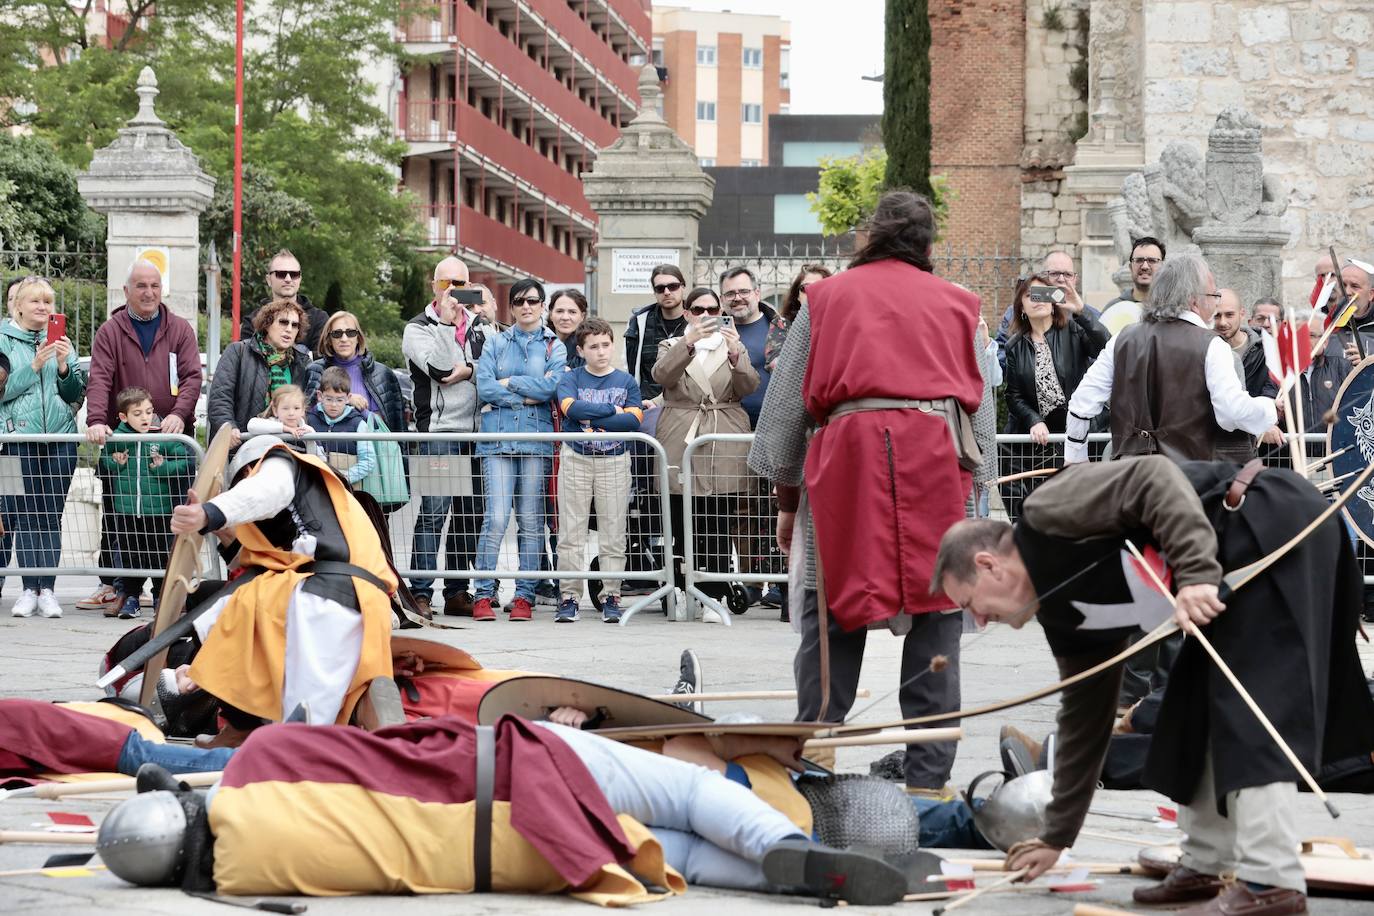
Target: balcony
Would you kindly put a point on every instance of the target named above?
(428, 121)
(497, 241)
(422, 22)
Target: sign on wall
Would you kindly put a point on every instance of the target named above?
(160, 256)
(630, 268)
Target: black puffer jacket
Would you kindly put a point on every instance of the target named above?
(1073, 347)
(239, 390)
(381, 383)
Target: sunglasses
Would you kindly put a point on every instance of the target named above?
(528, 300)
(341, 333)
(288, 323)
(704, 310)
(287, 274)
(662, 288)
(450, 284)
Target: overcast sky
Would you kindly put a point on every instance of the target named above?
(833, 44)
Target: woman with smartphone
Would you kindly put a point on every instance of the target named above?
(1052, 343)
(45, 388)
(705, 374)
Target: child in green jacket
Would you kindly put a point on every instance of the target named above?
(143, 476)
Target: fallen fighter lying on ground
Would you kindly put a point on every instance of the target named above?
(337, 810)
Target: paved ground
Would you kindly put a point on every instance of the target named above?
(56, 659)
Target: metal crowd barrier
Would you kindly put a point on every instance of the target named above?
(59, 513)
(447, 505)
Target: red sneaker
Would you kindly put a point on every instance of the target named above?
(520, 609)
(481, 610)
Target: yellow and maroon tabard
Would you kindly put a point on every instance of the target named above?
(243, 659)
(336, 810)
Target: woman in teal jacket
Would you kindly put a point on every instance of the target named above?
(46, 387)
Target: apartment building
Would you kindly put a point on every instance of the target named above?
(723, 75)
(510, 102)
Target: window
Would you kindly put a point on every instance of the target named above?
(749, 114)
(706, 162)
(750, 163)
(658, 52)
(706, 55)
(706, 111)
(753, 58)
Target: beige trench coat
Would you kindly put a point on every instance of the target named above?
(701, 397)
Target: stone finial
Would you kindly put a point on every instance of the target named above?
(650, 97)
(147, 91)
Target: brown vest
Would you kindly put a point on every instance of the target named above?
(1160, 402)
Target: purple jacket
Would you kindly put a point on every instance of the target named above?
(117, 362)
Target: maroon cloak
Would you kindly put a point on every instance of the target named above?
(885, 485)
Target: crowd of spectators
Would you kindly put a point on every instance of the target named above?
(697, 362)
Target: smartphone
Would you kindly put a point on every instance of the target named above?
(1046, 294)
(727, 321)
(466, 296)
(710, 324)
(57, 327)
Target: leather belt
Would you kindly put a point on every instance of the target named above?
(925, 405)
(481, 828)
(340, 568)
(1235, 494)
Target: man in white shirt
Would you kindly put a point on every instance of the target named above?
(1169, 380)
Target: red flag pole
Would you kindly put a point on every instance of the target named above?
(238, 166)
(1298, 443)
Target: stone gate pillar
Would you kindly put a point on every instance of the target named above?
(153, 190)
(649, 193)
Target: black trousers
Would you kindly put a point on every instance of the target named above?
(927, 765)
(143, 542)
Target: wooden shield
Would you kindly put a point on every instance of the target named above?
(436, 655)
(534, 697)
(183, 564)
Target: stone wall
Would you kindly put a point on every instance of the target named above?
(1305, 69)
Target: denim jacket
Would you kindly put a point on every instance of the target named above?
(533, 363)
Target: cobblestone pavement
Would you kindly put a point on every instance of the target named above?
(56, 659)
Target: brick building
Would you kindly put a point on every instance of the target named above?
(724, 74)
(511, 102)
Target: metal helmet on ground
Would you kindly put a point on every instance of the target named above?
(248, 453)
(859, 812)
(143, 840)
(1015, 810)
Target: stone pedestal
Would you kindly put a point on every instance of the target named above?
(153, 190)
(1247, 258)
(649, 194)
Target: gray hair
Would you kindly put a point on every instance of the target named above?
(141, 262)
(1181, 281)
(1265, 300)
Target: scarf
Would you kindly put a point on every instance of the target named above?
(278, 367)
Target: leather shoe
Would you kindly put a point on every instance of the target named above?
(459, 605)
(1240, 900)
(422, 605)
(229, 736)
(1182, 885)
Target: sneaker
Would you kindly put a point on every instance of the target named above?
(26, 605)
(689, 679)
(100, 599)
(458, 605)
(482, 610)
(130, 610)
(520, 609)
(772, 597)
(1020, 752)
(610, 609)
(47, 604)
(943, 794)
(833, 874)
(566, 613)
(546, 594)
(114, 607)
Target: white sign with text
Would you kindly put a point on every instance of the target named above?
(630, 268)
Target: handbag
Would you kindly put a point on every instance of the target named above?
(387, 483)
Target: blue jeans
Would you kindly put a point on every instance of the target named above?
(517, 479)
(175, 758)
(47, 469)
(429, 528)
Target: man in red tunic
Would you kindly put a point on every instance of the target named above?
(882, 360)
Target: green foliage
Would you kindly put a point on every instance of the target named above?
(319, 155)
(850, 187)
(906, 96)
(39, 204)
(1053, 19)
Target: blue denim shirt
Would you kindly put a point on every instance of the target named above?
(532, 362)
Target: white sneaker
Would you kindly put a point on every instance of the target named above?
(26, 604)
(709, 615)
(47, 604)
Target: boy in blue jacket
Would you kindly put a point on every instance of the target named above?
(595, 397)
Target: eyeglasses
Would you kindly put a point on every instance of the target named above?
(738, 294)
(341, 333)
(444, 283)
(288, 323)
(662, 288)
(334, 400)
(1141, 262)
(1061, 274)
(704, 309)
(287, 274)
(528, 300)
(1212, 295)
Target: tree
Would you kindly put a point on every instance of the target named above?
(849, 188)
(906, 96)
(39, 203)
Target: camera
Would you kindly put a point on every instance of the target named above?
(1052, 294)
